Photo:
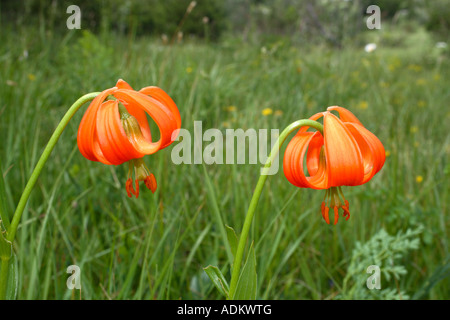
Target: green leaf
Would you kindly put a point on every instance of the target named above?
(218, 279)
(3, 208)
(12, 280)
(246, 286)
(441, 273)
(232, 239)
(5, 248)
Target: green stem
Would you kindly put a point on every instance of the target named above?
(11, 232)
(40, 165)
(3, 278)
(257, 193)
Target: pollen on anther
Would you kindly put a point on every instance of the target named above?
(129, 187)
(150, 182)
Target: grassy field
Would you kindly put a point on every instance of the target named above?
(156, 247)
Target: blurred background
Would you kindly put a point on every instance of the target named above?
(304, 22)
(231, 64)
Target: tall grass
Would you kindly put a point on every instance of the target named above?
(155, 247)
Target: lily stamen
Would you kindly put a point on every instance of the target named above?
(141, 173)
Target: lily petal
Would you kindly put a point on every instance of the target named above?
(344, 159)
(293, 163)
(372, 150)
(162, 115)
(112, 138)
(165, 99)
(345, 115)
(135, 111)
(86, 138)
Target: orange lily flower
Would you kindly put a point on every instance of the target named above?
(117, 130)
(347, 154)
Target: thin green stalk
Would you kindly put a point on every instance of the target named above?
(40, 165)
(257, 193)
(4, 277)
(11, 232)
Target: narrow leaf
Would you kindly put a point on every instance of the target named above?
(3, 208)
(12, 280)
(5, 248)
(246, 286)
(232, 239)
(218, 279)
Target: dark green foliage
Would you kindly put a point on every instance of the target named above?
(302, 20)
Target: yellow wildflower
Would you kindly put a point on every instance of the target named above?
(363, 105)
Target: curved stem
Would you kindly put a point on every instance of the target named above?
(40, 165)
(257, 193)
(11, 231)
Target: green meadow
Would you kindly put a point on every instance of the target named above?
(156, 246)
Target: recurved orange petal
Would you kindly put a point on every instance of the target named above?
(372, 150)
(135, 111)
(313, 154)
(293, 162)
(112, 138)
(345, 115)
(344, 159)
(165, 99)
(86, 138)
(162, 115)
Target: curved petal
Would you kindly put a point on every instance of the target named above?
(99, 156)
(122, 84)
(113, 141)
(345, 115)
(372, 150)
(343, 157)
(86, 130)
(160, 95)
(293, 163)
(162, 115)
(313, 154)
(135, 111)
